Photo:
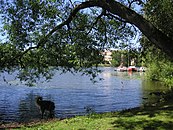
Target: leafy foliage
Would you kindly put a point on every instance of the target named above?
(125, 57)
(160, 66)
(74, 47)
(48, 35)
(160, 14)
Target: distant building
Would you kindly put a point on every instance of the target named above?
(107, 56)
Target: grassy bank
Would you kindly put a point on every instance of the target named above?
(146, 118)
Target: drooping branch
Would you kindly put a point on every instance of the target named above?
(59, 26)
(96, 21)
(149, 30)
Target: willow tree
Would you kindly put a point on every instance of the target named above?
(69, 35)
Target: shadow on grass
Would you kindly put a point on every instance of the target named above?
(146, 118)
(141, 118)
(144, 124)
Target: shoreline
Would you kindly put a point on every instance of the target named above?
(15, 125)
(131, 112)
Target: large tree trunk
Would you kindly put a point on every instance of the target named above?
(157, 37)
(149, 30)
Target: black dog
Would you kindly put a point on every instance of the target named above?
(45, 106)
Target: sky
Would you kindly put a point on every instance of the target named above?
(1, 26)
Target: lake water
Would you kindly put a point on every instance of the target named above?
(74, 95)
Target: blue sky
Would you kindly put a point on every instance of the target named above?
(1, 26)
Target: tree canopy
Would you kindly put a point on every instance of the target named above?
(41, 36)
(160, 67)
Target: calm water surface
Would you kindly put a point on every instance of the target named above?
(73, 95)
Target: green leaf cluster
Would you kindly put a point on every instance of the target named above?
(32, 49)
(160, 13)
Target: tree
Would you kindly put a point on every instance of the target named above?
(49, 33)
(160, 67)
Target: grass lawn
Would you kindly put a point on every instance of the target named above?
(148, 118)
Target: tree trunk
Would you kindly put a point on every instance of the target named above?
(157, 37)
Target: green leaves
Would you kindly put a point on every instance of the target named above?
(36, 41)
(160, 13)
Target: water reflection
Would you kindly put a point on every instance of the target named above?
(27, 108)
(73, 95)
(149, 87)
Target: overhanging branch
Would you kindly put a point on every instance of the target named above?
(151, 32)
(97, 19)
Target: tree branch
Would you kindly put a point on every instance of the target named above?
(148, 29)
(97, 19)
(157, 37)
(72, 3)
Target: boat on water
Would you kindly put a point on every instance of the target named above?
(132, 68)
(121, 69)
(142, 69)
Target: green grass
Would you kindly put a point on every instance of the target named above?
(150, 118)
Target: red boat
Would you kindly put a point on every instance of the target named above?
(131, 68)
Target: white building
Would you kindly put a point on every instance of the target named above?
(107, 55)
